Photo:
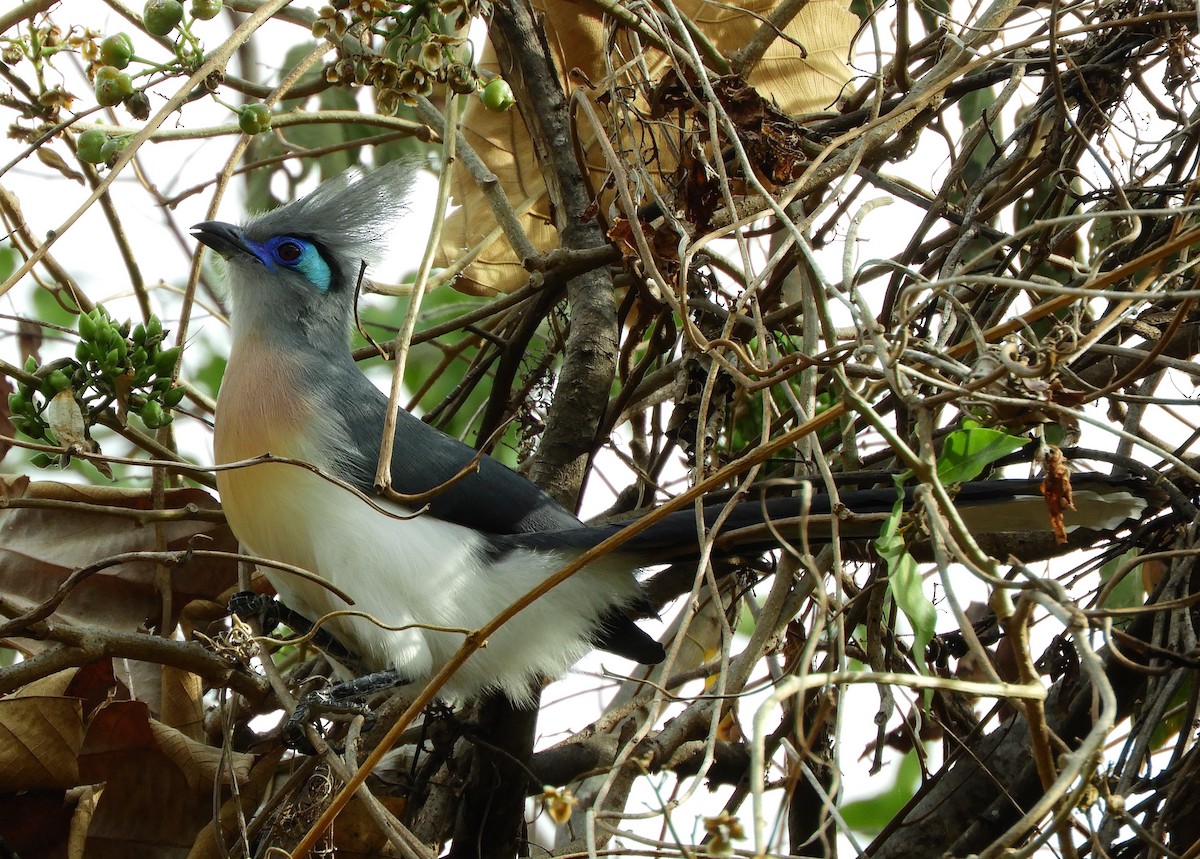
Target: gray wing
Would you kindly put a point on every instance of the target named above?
(494, 499)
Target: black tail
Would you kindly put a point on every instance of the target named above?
(1103, 504)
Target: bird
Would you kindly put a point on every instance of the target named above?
(432, 572)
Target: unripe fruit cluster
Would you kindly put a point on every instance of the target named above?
(96, 147)
(112, 86)
(254, 119)
(122, 362)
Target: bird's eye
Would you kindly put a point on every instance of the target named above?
(288, 252)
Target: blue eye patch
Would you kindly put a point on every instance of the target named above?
(296, 254)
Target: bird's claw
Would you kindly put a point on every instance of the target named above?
(249, 605)
(339, 699)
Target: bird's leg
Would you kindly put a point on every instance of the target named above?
(249, 605)
(271, 612)
(338, 698)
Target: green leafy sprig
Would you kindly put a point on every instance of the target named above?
(116, 364)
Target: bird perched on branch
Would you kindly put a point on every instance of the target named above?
(474, 545)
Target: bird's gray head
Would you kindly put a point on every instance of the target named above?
(292, 272)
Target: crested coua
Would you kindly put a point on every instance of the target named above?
(292, 389)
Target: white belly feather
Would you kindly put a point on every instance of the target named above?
(417, 571)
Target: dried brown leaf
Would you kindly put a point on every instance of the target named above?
(1056, 487)
(207, 846)
(52, 685)
(81, 820)
(56, 162)
(795, 80)
(182, 706)
(40, 739)
(147, 806)
(200, 764)
(40, 548)
(36, 823)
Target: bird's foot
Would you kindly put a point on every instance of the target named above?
(249, 605)
(338, 699)
(271, 612)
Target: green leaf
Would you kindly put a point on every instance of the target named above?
(904, 582)
(8, 261)
(207, 376)
(864, 8)
(933, 12)
(875, 812)
(970, 109)
(1167, 728)
(1128, 593)
(967, 452)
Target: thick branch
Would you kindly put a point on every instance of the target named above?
(591, 348)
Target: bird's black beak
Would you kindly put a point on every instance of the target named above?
(225, 239)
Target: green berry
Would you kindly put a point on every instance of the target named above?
(153, 416)
(165, 361)
(106, 337)
(31, 364)
(112, 86)
(205, 10)
(498, 95)
(83, 352)
(254, 118)
(154, 329)
(116, 50)
(162, 16)
(17, 403)
(58, 381)
(173, 397)
(89, 147)
(111, 147)
(87, 326)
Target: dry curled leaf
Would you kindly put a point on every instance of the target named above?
(794, 80)
(1056, 487)
(75, 526)
(42, 736)
(142, 761)
(56, 162)
(559, 802)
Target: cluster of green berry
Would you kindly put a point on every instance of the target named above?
(96, 146)
(163, 16)
(422, 44)
(122, 364)
(254, 118)
(113, 85)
